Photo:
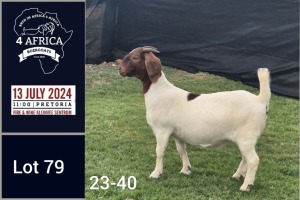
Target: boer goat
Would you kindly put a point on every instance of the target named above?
(206, 120)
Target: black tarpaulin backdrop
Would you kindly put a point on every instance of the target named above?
(230, 38)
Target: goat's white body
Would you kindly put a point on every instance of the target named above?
(208, 120)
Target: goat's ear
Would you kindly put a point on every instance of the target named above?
(153, 66)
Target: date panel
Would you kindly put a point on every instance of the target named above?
(43, 100)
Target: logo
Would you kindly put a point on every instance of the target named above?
(41, 36)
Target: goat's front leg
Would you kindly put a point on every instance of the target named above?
(162, 138)
(186, 165)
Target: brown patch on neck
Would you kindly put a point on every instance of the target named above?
(146, 83)
(192, 96)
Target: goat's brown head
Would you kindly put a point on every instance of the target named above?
(142, 64)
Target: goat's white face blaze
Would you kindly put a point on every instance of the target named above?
(206, 120)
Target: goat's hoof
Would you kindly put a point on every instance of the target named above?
(246, 187)
(155, 174)
(186, 170)
(238, 177)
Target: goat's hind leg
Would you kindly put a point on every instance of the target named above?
(241, 171)
(252, 160)
(186, 165)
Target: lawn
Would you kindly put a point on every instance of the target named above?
(120, 143)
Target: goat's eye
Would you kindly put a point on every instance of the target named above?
(135, 58)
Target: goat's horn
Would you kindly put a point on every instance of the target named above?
(150, 49)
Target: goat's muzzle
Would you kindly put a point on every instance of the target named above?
(122, 73)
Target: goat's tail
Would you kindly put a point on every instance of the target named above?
(264, 85)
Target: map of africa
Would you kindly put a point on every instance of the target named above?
(42, 37)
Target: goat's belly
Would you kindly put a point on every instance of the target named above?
(202, 139)
(215, 145)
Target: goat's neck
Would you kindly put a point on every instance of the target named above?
(162, 83)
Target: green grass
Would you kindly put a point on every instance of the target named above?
(120, 143)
